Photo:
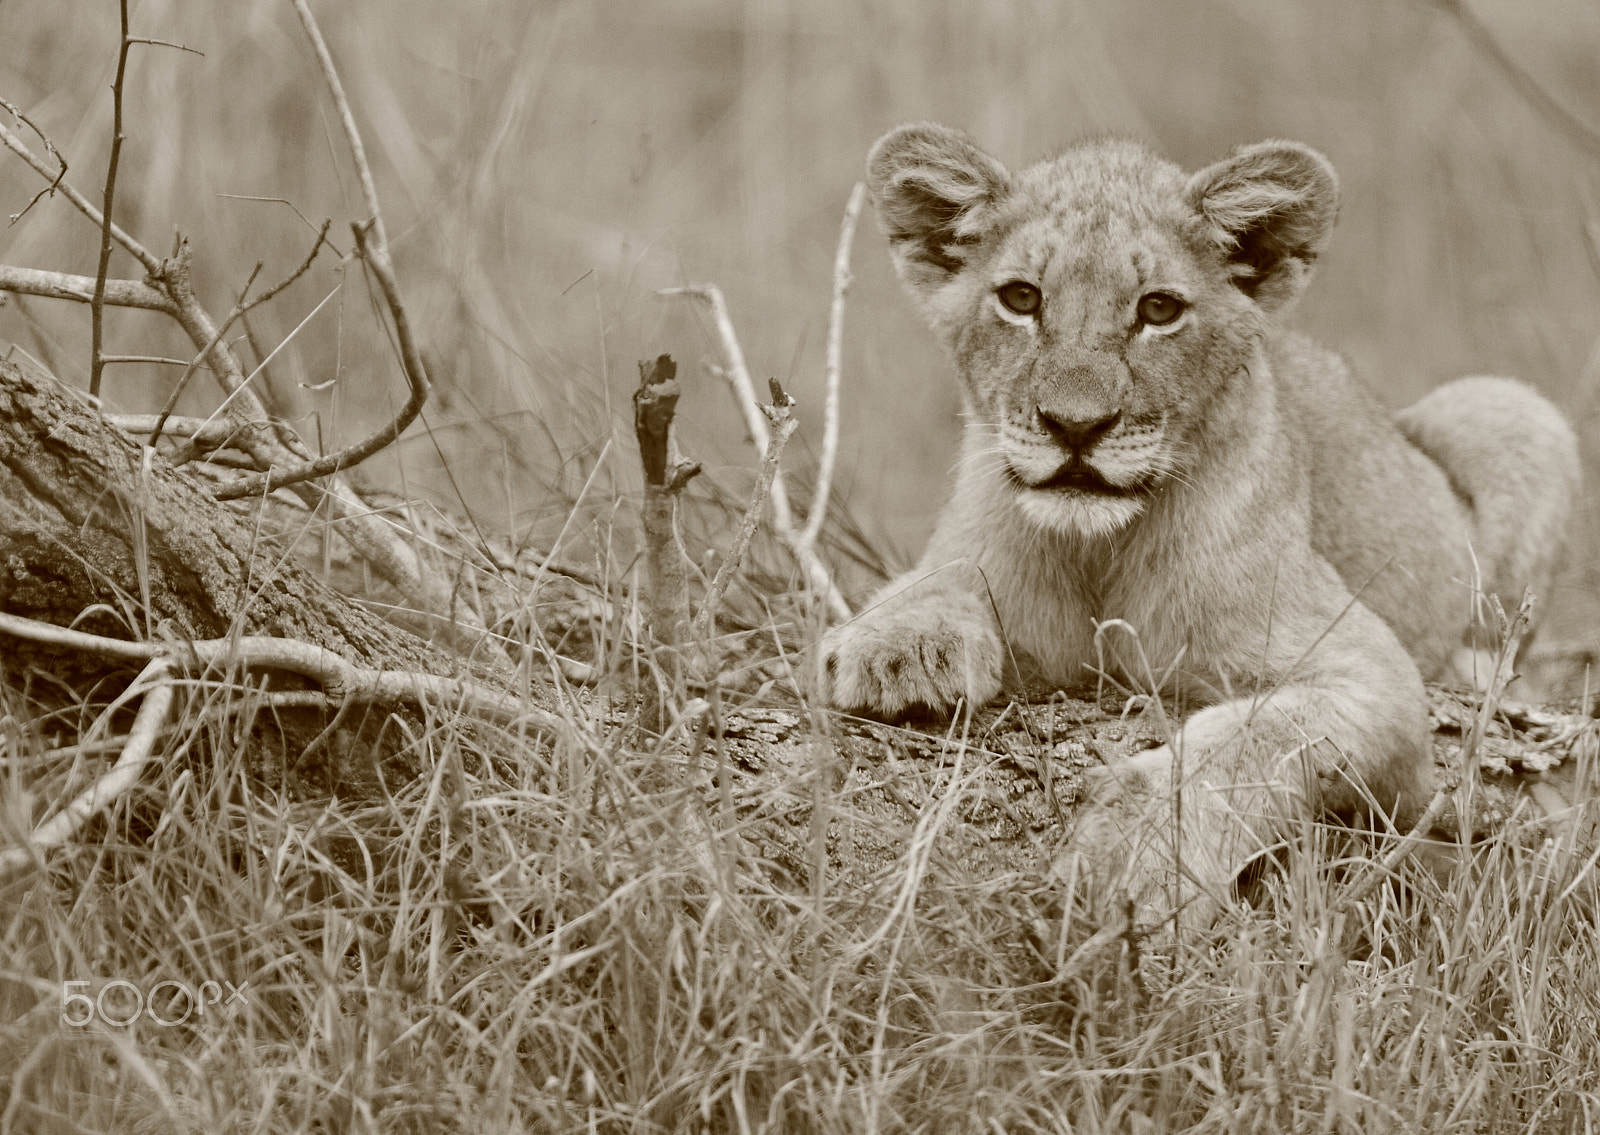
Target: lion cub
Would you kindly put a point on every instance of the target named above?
(1146, 443)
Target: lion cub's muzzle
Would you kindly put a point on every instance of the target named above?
(1077, 438)
(1075, 454)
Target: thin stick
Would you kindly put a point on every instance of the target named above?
(816, 572)
(830, 408)
(340, 679)
(358, 152)
(411, 364)
(238, 312)
(166, 43)
(136, 753)
(97, 306)
(783, 425)
(159, 359)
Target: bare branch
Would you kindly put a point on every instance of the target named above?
(358, 152)
(263, 483)
(49, 148)
(97, 305)
(136, 753)
(304, 267)
(158, 359)
(239, 309)
(203, 433)
(340, 679)
(80, 289)
(164, 43)
(830, 421)
(151, 262)
(781, 415)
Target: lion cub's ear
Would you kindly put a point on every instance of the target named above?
(1272, 206)
(932, 188)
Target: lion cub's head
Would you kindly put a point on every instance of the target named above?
(1099, 303)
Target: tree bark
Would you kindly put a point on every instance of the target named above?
(98, 533)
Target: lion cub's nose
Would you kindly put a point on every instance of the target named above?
(1078, 433)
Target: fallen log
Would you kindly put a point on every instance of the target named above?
(104, 535)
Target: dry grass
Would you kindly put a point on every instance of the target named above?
(580, 936)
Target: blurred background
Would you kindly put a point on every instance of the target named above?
(545, 167)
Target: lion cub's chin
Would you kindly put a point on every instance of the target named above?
(1075, 512)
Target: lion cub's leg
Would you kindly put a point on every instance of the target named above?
(1513, 457)
(1169, 830)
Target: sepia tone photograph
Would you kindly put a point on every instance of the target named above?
(700, 566)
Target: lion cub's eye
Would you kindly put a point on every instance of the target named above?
(1159, 308)
(1021, 297)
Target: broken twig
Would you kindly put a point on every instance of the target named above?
(780, 414)
(817, 575)
(818, 512)
(666, 577)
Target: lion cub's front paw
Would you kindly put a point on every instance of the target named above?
(904, 655)
(1127, 855)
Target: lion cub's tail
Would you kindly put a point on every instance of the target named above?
(1512, 455)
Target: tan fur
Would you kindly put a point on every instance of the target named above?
(1269, 542)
